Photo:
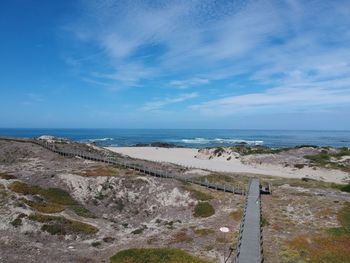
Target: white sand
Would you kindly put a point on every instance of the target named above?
(186, 157)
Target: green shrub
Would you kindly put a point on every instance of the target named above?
(96, 244)
(139, 230)
(345, 188)
(82, 211)
(154, 255)
(203, 209)
(264, 222)
(16, 222)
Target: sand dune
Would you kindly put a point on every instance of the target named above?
(188, 157)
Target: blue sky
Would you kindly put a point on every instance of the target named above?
(175, 64)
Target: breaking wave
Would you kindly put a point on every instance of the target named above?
(100, 139)
(221, 141)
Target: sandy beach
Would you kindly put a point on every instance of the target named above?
(190, 157)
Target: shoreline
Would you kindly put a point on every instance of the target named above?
(187, 157)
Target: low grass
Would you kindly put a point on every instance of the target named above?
(155, 255)
(198, 195)
(58, 225)
(55, 199)
(324, 159)
(329, 247)
(203, 209)
(43, 206)
(204, 231)
(309, 183)
(245, 150)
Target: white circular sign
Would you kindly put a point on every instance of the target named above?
(224, 229)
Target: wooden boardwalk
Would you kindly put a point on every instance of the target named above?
(249, 247)
(128, 163)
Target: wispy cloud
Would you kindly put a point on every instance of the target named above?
(184, 84)
(160, 103)
(280, 51)
(32, 99)
(277, 100)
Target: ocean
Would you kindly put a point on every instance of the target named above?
(195, 138)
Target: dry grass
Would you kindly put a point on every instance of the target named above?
(204, 231)
(110, 170)
(333, 246)
(181, 237)
(43, 206)
(58, 225)
(100, 171)
(55, 199)
(236, 215)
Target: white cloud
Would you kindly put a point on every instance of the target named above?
(183, 84)
(276, 99)
(160, 103)
(291, 50)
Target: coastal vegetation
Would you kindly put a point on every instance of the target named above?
(204, 231)
(203, 209)
(332, 246)
(52, 200)
(58, 225)
(222, 178)
(331, 160)
(7, 176)
(197, 194)
(236, 215)
(154, 255)
(181, 237)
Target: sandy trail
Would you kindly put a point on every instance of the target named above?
(186, 157)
